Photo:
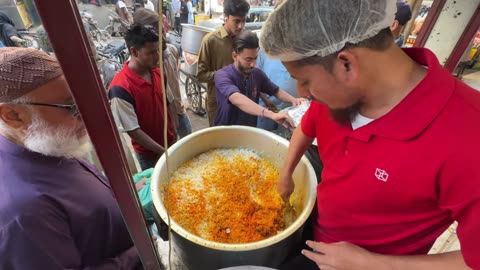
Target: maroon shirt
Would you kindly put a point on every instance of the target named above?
(58, 214)
(147, 99)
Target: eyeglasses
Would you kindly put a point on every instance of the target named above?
(72, 109)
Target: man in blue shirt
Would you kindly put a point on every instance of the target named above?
(238, 87)
(279, 75)
(402, 16)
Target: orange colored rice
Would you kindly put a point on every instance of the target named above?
(227, 196)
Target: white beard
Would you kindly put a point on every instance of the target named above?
(56, 141)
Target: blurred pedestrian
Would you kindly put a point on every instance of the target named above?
(183, 12)
(402, 16)
(176, 12)
(8, 33)
(190, 11)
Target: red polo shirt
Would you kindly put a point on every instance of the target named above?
(396, 184)
(147, 100)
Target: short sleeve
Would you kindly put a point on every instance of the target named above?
(459, 192)
(309, 120)
(124, 115)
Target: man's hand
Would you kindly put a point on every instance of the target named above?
(285, 186)
(297, 101)
(342, 255)
(282, 118)
(141, 184)
(271, 106)
(146, 141)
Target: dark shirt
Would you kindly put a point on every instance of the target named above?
(184, 12)
(228, 81)
(7, 30)
(58, 214)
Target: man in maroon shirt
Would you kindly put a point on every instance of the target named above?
(136, 97)
(398, 136)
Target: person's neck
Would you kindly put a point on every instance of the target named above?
(232, 36)
(12, 137)
(138, 69)
(390, 78)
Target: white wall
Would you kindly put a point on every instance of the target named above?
(450, 26)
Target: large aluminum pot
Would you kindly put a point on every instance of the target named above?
(199, 254)
(192, 36)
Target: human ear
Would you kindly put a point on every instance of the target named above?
(13, 116)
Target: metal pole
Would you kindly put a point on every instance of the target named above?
(63, 24)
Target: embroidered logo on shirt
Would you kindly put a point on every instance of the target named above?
(254, 92)
(381, 175)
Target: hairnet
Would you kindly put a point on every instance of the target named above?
(298, 29)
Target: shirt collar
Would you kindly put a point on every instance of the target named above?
(420, 107)
(134, 76)
(223, 32)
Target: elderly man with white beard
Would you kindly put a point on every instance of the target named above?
(56, 211)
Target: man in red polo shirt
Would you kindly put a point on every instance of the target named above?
(136, 97)
(398, 136)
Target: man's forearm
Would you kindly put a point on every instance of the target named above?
(146, 141)
(284, 96)
(246, 105)
(299, 143)
(447, 261)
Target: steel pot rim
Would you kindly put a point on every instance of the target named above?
(156, 196)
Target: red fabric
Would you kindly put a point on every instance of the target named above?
(429, 147)
(148, 98)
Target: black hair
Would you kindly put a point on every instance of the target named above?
(238, 8)
(245, 40)
(404, 12)
(137, 35)
(380, 42)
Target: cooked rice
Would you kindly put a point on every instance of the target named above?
(227, 196)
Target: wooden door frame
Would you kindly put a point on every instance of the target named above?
(61, 20)
(432, 17)
(470, 30)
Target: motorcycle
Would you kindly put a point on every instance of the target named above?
(111, 53)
